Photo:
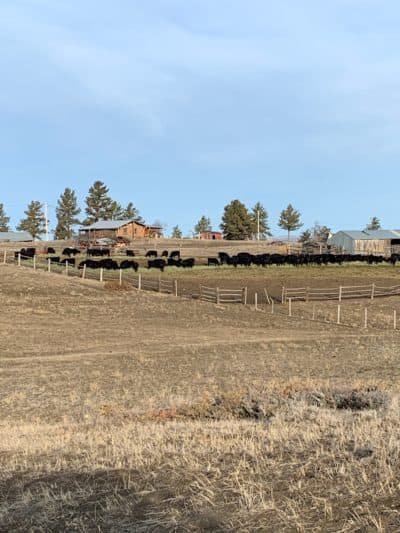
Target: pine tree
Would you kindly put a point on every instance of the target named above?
(117, 211)
(236, 221)
(259, 218)
(66, 211)
(305, 236)
(99, 205)
(176, 233)
(289, 220)
(131, 213)
(374, 224)
(204, 224)
(34, 222)
(4, 219)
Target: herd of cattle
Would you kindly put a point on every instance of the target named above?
(174, 259)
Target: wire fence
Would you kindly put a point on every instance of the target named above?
(296, 303)
(340, 293)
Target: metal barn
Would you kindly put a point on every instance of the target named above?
(377, 242)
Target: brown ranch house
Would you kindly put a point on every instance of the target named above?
(129, 229)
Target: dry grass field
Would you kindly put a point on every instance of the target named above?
(131, 411)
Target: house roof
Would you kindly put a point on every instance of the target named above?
(15, 236)
(371, 235)
(110, 224)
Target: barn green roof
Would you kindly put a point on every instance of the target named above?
(15, 236)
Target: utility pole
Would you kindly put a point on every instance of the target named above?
(46, 222)
(258, 224)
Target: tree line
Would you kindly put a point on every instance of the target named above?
(99, 206)
(238, 222)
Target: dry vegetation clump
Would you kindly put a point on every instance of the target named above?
(264, 404)
(116, 286)
(306, 468)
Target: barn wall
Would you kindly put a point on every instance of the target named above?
(343, 242)
(378, 247)
(131, 230)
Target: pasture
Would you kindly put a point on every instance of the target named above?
(135, 411)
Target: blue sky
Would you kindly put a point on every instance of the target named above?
(183, 105)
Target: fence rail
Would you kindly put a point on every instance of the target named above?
(342, 292)
(220, 296)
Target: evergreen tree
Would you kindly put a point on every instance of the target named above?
(99, 205)
(131, 213)
(66, 211)
(204, 224)
(176, 233)
(374, 224)
(117, 211)
(34, 222)
(236, 221)
(289, 220)
(305, 236)
(4, 219)
(259, 218)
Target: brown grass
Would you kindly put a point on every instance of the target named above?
(122, 411)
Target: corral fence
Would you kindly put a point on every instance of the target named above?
(166, 286)
(223, 296)
(340, 293)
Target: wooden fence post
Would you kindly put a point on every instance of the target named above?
(176, 287)
(283, 295)
(48, 264)
(290, 306)
(365, 317)
(19, 259)
(340, 293)
(245, 296)
(5, 257)
(84, 271)
(120, 276)
(338, 315)
(66, 267)
(101, 274)
(272, 307)
(139, 282)
(217, 294)
(34, 262)
(372, 291)
(256, 301)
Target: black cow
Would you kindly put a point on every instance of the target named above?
(156, 263)
(99, 252)
(130, 253)
(70, 260)
(89, 263)
(188, 263)
(213, 261)
(164, 253)
(175, 254)
(51, 250)
(108, 264)
(151, 253)
(174, 262)
(25, 253)
(223, 258)
(129, 264)
(244, 259)
(54, 259)
(70, 251)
